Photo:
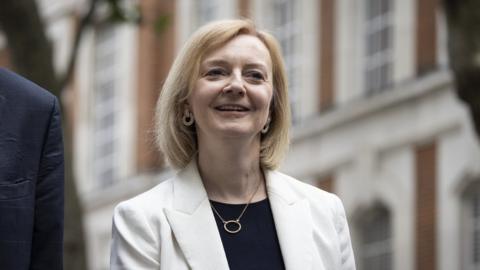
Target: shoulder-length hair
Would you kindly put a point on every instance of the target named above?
(177, 141)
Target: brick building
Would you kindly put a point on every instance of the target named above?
(375, 118)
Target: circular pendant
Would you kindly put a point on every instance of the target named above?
(232, 226)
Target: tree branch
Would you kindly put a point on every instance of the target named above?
(84, 23)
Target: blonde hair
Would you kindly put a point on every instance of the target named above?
(177, 141)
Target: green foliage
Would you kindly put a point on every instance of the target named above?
(161, 23)
(120, 13)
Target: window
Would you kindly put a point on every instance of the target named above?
(104, 107)
(378, 45)
(207, 10)
(471, 228)
(375, 246)
(285, 30)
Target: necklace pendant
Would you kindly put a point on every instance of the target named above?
(232, 226)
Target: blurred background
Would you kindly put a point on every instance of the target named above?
(382, 108)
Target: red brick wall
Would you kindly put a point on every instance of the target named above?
(426, 207)
(327, 50)
(426, 44)
(326, 183)
(155, 56)
(244, 8)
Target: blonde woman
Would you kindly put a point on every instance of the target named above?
(223, 122)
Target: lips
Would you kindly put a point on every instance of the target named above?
(232, 108)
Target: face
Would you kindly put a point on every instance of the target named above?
(232, 95)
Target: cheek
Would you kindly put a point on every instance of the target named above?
(264, 99)
(197, 104)
(198, 98)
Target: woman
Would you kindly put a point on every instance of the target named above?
(223, 120)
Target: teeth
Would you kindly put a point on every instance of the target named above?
(231, 108)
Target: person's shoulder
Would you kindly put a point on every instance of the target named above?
(317, 196)
(150, 201)
(23, 91)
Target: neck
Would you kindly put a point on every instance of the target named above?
(230, 170)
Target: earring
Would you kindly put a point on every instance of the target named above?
(266, 127)
(187, 118)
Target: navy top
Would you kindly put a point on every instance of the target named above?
(256, 245)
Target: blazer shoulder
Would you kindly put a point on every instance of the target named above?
(23, 91)
(150, 201)
(304, 188)
(318, 197)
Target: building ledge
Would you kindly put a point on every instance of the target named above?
(362, 108)
(123, 190)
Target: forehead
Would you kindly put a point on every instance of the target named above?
(245, 48)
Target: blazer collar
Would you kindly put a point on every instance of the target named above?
(189, 192)
(193, 223)
(293, 222)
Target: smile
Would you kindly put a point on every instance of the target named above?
(234, 108)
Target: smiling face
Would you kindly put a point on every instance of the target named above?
(232, 94)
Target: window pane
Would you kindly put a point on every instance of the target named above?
(476, 205)
(384, 39)
(286, 33)
(207, 10)
(385, 6)
(476, 228)
(376, 237)
(372, 41)
(471, 227)
(105, 110)
(373, 8)
(378, 46)
(384, 75)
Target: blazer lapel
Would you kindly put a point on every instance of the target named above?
(193, 223)
(293, 223)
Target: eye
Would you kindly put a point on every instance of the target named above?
(255, 76)
(215, 73)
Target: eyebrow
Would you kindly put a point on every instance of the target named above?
(221, 62)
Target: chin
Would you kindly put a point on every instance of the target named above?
(237, 132)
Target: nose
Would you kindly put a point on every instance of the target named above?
(235, 86)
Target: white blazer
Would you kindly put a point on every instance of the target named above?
(172, 227)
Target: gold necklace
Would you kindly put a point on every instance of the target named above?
(235, 222)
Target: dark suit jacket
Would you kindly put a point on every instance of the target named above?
(31, 176)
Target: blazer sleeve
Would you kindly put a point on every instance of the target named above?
(134, 244)
(47, 241)
(346, 252)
